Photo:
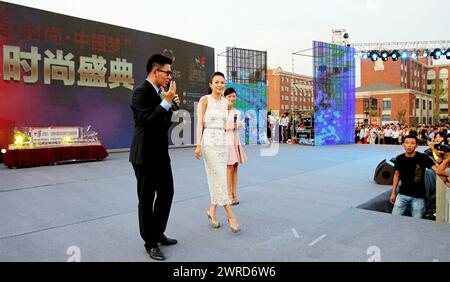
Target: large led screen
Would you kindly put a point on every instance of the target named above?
(58, 70)
(334, 94)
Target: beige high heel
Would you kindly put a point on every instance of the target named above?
(213, 224)
(230, 197)
(234, 229)
(235, 200)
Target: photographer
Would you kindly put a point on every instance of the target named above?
(443, 169)
(437, 147)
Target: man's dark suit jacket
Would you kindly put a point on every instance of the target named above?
(151, 124)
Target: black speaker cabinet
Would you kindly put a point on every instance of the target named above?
(384, 173)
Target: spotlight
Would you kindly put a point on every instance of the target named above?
(425, 53)
(395, 55)
(3, 151)
(437, 53)
(18, 140)
(447, 54)
(384, 55)
(414, 55)
(374, 55)
(66, 139)
(364, 56)
(405, 55)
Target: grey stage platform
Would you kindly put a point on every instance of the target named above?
(299, 205)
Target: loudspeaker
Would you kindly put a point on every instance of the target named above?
(384, 173)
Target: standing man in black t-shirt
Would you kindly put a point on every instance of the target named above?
(410, 169)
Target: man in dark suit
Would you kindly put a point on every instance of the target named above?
(153, 107)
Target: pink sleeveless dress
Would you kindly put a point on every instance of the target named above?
(236, 153)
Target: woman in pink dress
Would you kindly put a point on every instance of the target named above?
(236, 154)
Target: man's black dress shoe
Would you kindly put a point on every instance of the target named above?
(155, 253)
(167, 241)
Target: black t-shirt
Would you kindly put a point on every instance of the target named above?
(412, 173)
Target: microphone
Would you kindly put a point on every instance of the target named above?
(175, 107)
(235, 118)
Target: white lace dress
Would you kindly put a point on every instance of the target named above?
(214, 149)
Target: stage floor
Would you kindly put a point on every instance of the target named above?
(299, 205)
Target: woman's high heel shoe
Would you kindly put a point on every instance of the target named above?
(234, 229)
(213, 224)
(235, 200)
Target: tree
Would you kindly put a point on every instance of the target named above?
(437, 117)
(401, 116)
(373, 113)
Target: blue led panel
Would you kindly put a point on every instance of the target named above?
(334, 94)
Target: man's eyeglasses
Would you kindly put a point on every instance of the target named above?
(166, 72)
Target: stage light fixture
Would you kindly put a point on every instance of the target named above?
(405, 55)
(384, 55)
(374, 55)
(414, 54)
(365, 56)
(18, 140)
(437, 53)
(3, 151)
(447, 54)
(425, 53)
(395, 55)
(67, 139)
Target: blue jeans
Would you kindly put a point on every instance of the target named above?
(402, 202)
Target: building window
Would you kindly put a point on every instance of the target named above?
(424, 105)
(386, 104)
(417, 104)
(386, 117)
(430, 105)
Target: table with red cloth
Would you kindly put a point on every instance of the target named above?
(50, 156)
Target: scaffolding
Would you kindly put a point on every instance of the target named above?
(245, 66)
(411, 45)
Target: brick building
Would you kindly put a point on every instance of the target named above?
(287, 92)
(414, 86)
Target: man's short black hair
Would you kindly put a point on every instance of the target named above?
(228, 91)
(443, 135)
(157, 60)
(410, 136)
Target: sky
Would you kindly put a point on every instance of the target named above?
(279, 27)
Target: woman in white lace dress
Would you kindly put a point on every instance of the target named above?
(212, 113)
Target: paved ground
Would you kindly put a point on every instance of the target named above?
(299, 205)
